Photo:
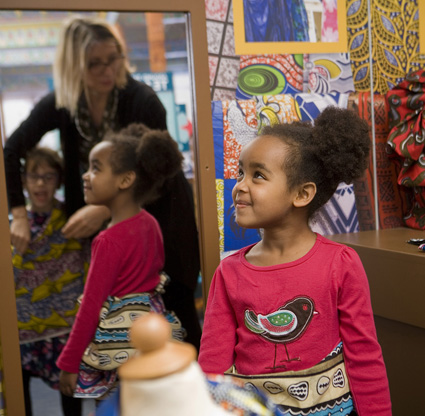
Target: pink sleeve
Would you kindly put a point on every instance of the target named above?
(219, 332)
(100, 280)
(363, 356)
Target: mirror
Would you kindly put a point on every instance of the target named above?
(197, 100)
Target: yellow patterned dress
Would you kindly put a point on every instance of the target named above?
(49, 277)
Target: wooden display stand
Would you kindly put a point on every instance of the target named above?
(396, 273)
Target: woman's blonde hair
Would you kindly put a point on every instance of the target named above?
(71, 60)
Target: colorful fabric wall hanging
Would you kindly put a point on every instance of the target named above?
(395, 40)
(328, 73)
(391, 200)
(339, 214)
(223, 63)
(269, 75)
(275, 21)
(329, 21)
(311, 105)
(274, 109)
(406, 142)
(239, 128)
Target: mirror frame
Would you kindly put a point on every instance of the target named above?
(205, 196)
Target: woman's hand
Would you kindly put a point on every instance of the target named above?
(20, 233)
(67, 382)
(86, 221)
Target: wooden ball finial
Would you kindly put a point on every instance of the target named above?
(159, 355)
(150, 332)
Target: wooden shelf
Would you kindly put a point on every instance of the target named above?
(395, 269)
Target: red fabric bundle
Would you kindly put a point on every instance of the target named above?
(406, 142)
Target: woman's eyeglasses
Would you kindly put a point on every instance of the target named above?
(47, 178)
(97, 67)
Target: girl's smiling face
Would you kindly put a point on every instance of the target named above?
(41, 182)
(261, 195)
(101, 184)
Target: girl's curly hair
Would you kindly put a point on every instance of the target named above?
(152, 154)
(335, 149)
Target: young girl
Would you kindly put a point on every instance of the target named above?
(280, 312)
(125, 172)
(48, 277)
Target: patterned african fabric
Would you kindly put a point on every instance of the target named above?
(329, 32)
(98, 371)
(320, 390)
(93, 383)
(391, 198)
(275, 21)
(223, 63)
(311, 105)
(394, 34)
(269, 75)
(363, 187)
(406, 142)
(239, 128)
(39, 359)
(237, 398)
(328, 73)
(338, 215)
(395, 41)
(276, 109)
(49, 277)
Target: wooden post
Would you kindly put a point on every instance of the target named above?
(156, 39)
(10, 352)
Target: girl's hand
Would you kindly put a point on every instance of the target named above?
(86, 221)
(67, 383)
(20, 233)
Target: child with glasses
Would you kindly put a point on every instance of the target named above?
(48, 277)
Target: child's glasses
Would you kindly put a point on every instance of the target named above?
(33, 178)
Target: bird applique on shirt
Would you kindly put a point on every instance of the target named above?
(285, 325)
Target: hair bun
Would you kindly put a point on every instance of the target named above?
(342, 142)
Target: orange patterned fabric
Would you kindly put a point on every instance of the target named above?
(391, 199)
(239, 126)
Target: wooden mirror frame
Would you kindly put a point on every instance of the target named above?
(205, 196)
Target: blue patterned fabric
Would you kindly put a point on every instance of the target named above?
(235, 237)
(217, 122)
(275, 20)
(338, 215)
(330, 73)
(311, 105)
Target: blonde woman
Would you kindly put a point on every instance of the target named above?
(94, 92)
